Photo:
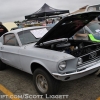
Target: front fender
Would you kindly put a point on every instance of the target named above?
(46, 65)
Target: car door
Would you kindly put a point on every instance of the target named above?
(10, 50)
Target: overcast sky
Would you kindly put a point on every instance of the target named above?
(14, 10)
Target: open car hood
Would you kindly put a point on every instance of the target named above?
(68, 26)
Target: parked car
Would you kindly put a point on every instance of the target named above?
(9, 25)
(49, 55)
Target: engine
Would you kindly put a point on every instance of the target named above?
(76, 48)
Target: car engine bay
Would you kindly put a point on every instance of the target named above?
(76, 48)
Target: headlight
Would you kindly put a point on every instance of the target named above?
(79, 61)
(62, 65)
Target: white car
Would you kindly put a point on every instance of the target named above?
(51, 56)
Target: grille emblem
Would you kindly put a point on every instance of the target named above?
(92, 55)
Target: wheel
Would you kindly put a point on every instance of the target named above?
(2, 65)
(44, 83)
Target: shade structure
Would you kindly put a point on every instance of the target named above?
(46, 10)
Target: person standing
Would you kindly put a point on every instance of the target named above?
(3, 29)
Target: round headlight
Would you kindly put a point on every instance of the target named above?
(79, 61)
(62, 65)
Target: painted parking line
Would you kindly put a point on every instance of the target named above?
(7, 92)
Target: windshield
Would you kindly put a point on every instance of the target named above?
(32, 36)
(94, 27)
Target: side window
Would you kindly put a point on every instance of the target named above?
(10, 39)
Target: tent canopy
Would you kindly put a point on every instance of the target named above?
(46, 10)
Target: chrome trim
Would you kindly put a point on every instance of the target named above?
(89, 65)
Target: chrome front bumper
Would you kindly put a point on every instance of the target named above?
(88, 69)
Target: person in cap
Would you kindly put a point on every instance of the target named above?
(3, 29)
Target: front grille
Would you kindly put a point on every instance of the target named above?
(84, 64)
(85, 50)
(91, 56)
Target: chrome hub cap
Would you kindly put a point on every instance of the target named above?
(41, 83)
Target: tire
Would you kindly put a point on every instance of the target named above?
(44, 83)
(2, 66)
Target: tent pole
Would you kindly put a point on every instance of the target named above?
(45, 16)
(45, 19)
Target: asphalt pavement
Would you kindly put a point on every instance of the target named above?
(16, 82)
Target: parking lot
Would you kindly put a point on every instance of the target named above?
(16, 82)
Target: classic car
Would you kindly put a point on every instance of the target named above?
(50, 55)
(9, 25)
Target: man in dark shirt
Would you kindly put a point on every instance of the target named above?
(2, 29)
